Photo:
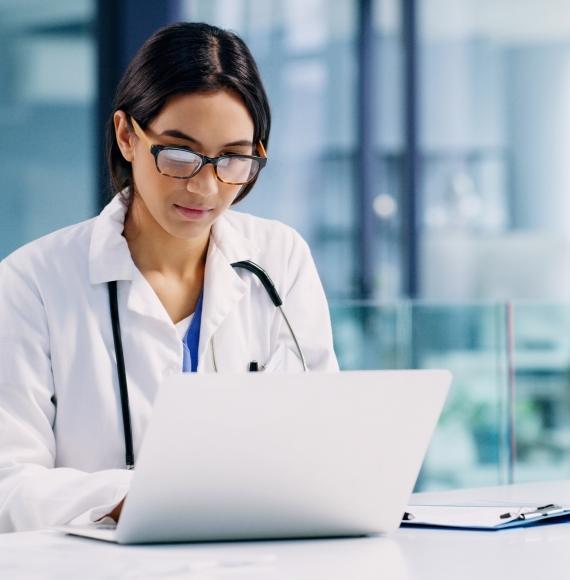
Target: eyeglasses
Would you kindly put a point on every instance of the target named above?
(183, 163)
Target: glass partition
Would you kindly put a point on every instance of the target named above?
(507, 417)
(541, 357)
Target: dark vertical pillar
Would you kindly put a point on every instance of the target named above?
(365, 158)
(121, 28)
(409, 205)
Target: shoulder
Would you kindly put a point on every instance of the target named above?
(55, 252)
(268, 235)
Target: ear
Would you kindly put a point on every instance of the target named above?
(124, 135)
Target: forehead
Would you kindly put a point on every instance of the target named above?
(211, 118)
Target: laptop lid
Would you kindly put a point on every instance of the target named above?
(258, 455)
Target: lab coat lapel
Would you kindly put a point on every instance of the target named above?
(110, 259)
(143, 300)
(223, 287)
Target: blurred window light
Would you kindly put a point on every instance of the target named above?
(48, 90)
(384, 206)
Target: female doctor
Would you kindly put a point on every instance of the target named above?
(187, 139)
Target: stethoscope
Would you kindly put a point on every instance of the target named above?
(252, 267)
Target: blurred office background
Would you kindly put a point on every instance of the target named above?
(420, 146)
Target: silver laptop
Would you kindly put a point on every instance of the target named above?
(259, 456)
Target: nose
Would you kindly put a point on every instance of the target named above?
(204, 182)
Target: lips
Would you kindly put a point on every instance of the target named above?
(193, 211)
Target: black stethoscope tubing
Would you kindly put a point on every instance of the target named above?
(252, 267)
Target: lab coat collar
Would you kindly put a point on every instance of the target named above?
(110, 259)
(109, 254)
(230, 242)
(223, 288)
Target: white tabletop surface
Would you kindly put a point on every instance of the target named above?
(413, 554)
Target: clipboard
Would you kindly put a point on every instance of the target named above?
(483, 517)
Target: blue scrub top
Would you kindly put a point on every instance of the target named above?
(191, 340)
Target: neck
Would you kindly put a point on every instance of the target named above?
(155, 250)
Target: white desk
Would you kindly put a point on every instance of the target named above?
(411, 554)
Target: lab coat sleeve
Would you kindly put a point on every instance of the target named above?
(305, 304)
(33, 492)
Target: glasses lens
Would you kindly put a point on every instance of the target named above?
(178, 162)
(237, 169)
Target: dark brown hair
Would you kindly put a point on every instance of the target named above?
(185, 57)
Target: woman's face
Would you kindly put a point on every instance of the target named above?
(208, 123)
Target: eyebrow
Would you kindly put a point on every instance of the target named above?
(179, 135)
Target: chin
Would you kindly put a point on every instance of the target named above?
(189, 231)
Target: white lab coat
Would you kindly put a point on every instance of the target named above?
(62, 450)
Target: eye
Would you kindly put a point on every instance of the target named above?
(178, 162)
(180, 155)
